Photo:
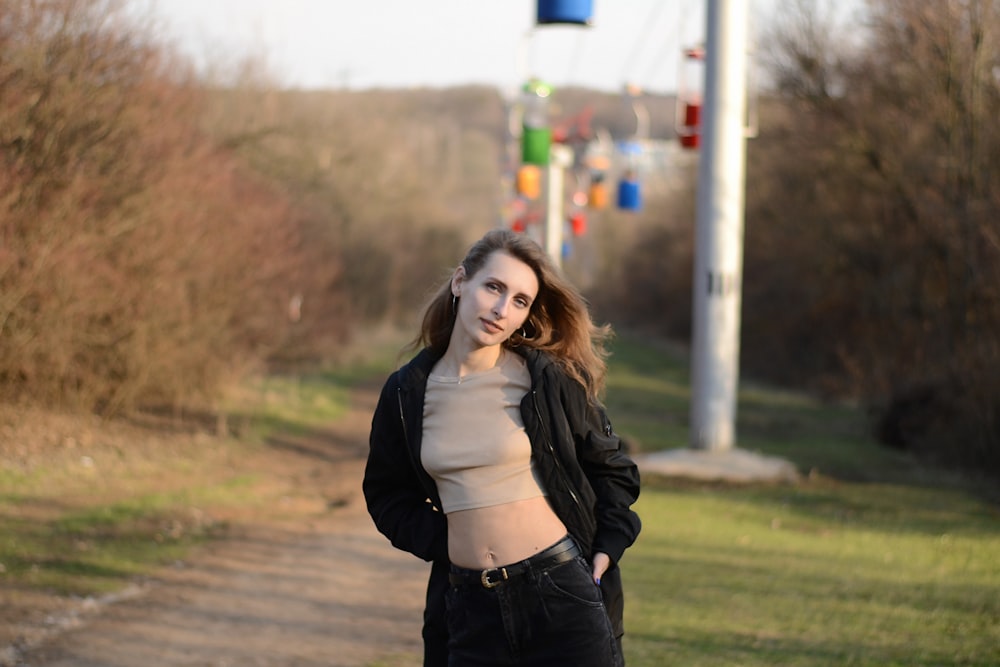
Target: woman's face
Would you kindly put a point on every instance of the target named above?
(496, 301)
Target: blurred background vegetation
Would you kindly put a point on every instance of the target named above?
(163, 236)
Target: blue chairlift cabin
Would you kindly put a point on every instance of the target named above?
(629, 193)
(572, 12)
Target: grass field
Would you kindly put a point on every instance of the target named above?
(871, 560)
(85, 506)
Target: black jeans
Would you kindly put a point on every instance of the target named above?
(550, 612)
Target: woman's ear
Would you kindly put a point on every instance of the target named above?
(457, 279)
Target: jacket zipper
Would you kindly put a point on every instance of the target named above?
(409, 450)
(402, 417)
(552, 451)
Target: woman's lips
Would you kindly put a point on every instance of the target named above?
(491, 327)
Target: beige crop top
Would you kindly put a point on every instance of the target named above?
(474, 444)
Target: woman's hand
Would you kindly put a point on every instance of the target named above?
(601, 564)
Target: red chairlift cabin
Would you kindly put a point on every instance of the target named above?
(690, 98)
(574, 129)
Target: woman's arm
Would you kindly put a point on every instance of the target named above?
(396, 501)
(612, 474)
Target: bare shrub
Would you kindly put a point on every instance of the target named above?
(646, 284)
(394, 185)
(880, 240)
(140, 261)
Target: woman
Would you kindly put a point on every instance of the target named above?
(491, 456)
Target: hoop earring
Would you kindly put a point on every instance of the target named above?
(522, 335)
(454, 304)
(524, 332)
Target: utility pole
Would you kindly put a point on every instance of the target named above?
(561, 157)
(718, 265)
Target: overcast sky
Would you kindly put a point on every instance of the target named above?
(405, 43)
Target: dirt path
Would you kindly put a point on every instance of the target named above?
(328, 591)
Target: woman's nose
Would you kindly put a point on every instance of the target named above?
(500, 307)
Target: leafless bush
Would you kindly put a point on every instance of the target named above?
(138, 260)
(873, 258)
(646, 280)
(394, 184)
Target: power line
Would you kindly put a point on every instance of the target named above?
(678, 46)
(574, 62)
(659, 58)
(639, 43)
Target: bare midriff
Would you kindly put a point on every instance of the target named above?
(488, 537)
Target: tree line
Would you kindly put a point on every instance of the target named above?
(160, 234)
(140, 260)
(872, 256)
(163, 233)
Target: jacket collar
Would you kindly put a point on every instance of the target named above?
(414, 373)
(536, 359)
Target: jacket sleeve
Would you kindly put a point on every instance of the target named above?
(612, 474)
(396, 500)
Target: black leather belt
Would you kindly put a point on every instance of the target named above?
(563, 551)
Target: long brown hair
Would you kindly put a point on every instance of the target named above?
(559, 321)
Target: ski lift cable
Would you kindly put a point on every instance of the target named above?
(667, 46)
(661, 61)
(658, 60)
(686, 20)
(532, 48)
(574, 62)
(639, 43)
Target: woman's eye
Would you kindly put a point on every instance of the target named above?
(493, 287)
(523, 303)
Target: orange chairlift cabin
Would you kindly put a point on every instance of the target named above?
(597, 162)
(597, 193)
(529, 181)
(690, 97)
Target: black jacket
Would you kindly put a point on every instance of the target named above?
(591, 483)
